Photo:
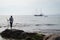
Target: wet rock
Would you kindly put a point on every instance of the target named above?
(20, 34)
(52, 37)
(29, 38)
(12, 33)
(57, 38)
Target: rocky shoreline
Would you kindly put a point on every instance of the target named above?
(20, 34)
(16, 34)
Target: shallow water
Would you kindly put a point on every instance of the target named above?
(33, 23)
(29, 23)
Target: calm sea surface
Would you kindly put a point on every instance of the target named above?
(29, 23)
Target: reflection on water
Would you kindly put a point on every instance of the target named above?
(32, 24)
(39, 28)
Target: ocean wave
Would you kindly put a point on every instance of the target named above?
(28, 25)
(45, 24)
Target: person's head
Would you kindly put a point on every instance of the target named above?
(11, 16)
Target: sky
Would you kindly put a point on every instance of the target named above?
(29, 7)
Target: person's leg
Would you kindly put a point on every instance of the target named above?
(11, 25)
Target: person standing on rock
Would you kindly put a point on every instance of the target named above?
(11, 21)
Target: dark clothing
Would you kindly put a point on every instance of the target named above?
(11, 24)
(11, 21)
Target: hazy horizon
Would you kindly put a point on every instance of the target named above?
(29, 7)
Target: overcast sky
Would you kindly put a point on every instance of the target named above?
(29, 7)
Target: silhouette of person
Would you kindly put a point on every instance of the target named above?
(11, 21)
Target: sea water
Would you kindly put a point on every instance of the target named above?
(31, 23)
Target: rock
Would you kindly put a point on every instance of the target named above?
(31, 34)
(20, 34)
(57, 38)
(12, 33)
(52, 37)
(29, 38)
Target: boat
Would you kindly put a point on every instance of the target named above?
(39, 15)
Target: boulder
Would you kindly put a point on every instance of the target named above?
(20, 34)
(14, 33)
(52, 37)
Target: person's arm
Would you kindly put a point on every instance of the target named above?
(13, 19)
